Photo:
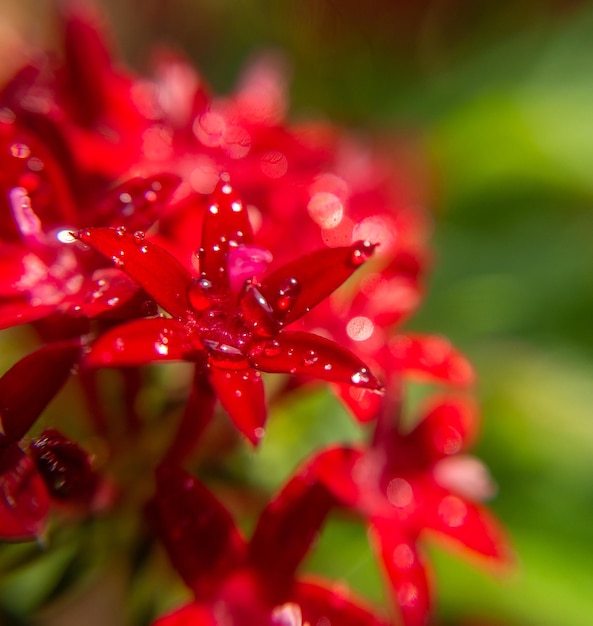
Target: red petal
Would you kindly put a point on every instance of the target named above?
(467, 524)
(352, 477)
(159, 273)
(332, 605)
(405, 572)
(29, 385)
(226, 224)
(307, 354)
(24, 503)
(198, 532)
(286, 529)
(297, 287)
(197, 414)
(241, 393)
(140, 342)
(14, 314)
(448, 426)
(188, 615)
(65, 467)
(138, 202)
(110, 294)
(364, 404)
(430, 357)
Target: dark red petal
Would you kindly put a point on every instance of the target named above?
(241, 393)
(297, 287)
(226, 224)
(364, 404)
(295, 352)
(24, 502)
(352, 476)
(140, 342)
(159, 273)
(29, 385)
(332, 604)
(65, 468)
(197, 531)
(188, 615)
(109, 294)
(448, 426)
(138, 202)
(466, 524)
(405, 571)
(16, 313)
(286, 529)
(431, 357)
(197, 414)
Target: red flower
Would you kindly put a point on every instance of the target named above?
(408, 484)
(55, 467)
(231, 336)
(251, 584)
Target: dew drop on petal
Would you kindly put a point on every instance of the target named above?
(139, 236)
(400, 493)
(325, 209)
(407, 595)
(287, 294)
(65, 236)
(452, 511)
(274, 164)
(361, 252)
(328, 367)
(310, 357)
(361, 377)
(259, 432)
(121, 231)
(403, 556)
(272, 348)
(360, 328)
(20, 150)
(150, 196)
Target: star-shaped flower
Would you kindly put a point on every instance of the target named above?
(407, 484)
(225, 320)
(251, 584)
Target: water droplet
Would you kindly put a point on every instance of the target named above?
(139, 236)
(238, 393)
(20, 150)
(144, 249)
(310, 358)
(117, 261)
(272, 349)
(237, 207)
(121, 231)
(150, 196)
(213, 208)
(403, 556)
(287, 294)
(360, 328)
(361, 252)
(113, 301)
(361, 377)
(452, 511)
(327, 367)
(400, 493)
(65, 236)
(259, 433)
(125, 198)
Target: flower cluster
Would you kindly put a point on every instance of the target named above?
(144, 220)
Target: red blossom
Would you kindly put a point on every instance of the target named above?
(252, 584)
(410, 484)
(232, 336)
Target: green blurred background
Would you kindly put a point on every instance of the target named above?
(498, 98)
